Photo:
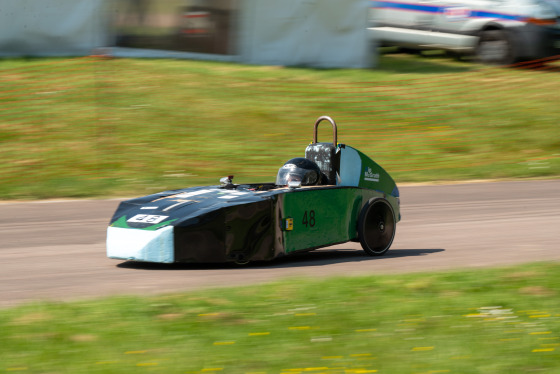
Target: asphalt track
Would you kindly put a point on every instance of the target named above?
(55, 250)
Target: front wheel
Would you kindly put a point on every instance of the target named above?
(376, 227)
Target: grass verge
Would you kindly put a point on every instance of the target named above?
(88, 127)
(477, 321)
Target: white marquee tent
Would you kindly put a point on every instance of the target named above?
(321, 33)
(315, 33)
(52, 27)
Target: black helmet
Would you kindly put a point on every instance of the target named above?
(299, 169)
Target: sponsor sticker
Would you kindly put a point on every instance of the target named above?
(147, 218)
(370, 176)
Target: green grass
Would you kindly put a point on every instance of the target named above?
(478, 321)
(88, 127)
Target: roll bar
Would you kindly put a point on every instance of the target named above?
(319, 120)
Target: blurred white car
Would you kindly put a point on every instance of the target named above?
(496, 31)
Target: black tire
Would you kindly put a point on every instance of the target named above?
(495, 47)
(376, 227)
(241, 260)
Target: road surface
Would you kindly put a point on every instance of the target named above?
(55, 250)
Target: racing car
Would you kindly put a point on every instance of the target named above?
(335, 194)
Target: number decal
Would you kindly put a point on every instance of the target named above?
(308, 218)
(147, 218)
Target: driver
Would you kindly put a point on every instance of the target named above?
(299, 170)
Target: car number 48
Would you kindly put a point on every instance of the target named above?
(309, 218)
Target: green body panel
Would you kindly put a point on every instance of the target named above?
(357, 169)
(322, 216)
(374, 176)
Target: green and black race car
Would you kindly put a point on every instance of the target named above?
(334, 194)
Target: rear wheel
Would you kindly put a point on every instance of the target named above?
(495, 47)
(376, 227)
